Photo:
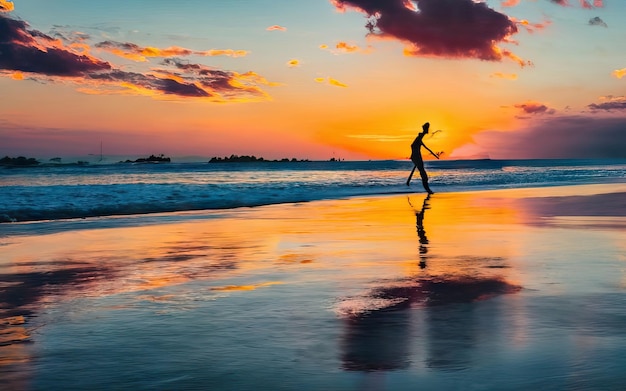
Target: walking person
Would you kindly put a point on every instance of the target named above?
(416, 157)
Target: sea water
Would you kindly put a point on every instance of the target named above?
(54, 192)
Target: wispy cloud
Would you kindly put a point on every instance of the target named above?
(609, 103)
(587, 4)
(436, 28)
(619, 73)
(531, 27)
(384, 138)
(500, 75)
(276, 28)
(335, 83)
(138, 53)
(344, 47)
(29, 54)
(330, 81)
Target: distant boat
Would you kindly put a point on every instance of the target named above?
(101, 156)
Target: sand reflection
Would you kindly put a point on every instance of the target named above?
(22, 295)
(88, 265)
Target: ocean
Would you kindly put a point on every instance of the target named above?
(54, 192)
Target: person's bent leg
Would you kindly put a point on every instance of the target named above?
(424, 179)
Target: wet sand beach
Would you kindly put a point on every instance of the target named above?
(487, 290)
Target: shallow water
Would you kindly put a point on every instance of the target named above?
(474, 291)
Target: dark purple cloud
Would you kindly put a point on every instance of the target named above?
(22, 50)
(150, 82)
(45, 58)
(441, 28)
(534, 108)
(208, 77)
(611, 105)
(582, 136)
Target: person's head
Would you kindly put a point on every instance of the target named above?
(425, 127)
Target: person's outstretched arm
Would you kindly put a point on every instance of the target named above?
(434, 154)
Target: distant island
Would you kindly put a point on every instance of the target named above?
(19, 161)
(150, 159)
(250, 159)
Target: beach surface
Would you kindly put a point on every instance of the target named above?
(488, 290)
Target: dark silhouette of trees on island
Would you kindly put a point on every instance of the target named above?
(151, 159)
(19, 161)
(250, 159)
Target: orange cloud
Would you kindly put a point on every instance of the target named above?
(276, 28)
(244, 287)
(135, 52)
(293, 63)
(500, 75)
(619, 73)
(223, 52)
(330, 81)
(346, 47)
(6, 6)
(531, 27)
(510, 55)
(336, 83)
(510, 3)
(343, 47)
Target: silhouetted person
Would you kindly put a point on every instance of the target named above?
(416, 157)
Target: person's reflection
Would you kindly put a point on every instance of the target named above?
(377, 341)
(421, 232)
(444, 333)
(451, 337)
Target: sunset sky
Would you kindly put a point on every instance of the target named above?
(313, 79)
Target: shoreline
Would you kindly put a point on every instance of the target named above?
(610, 198)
